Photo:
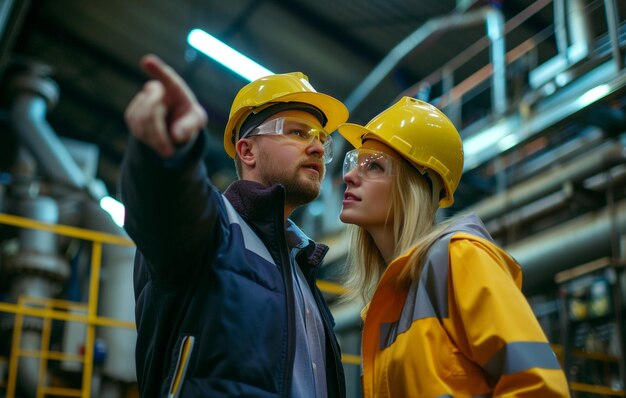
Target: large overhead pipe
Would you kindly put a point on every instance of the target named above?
(519, 195)
(567, 245)
(495, 31)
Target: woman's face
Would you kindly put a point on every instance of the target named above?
(369, 175)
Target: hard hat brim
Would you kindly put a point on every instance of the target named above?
(335, 111)
(353, 133)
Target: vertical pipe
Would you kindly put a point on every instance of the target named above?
(495, 32)
(579, 29)
(116, 298)
(35, 94)
(29, 119)
(612, 21)
(560, 30)
(453, 108)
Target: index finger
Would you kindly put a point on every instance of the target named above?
(161, 71)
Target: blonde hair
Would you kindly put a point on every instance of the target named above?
(413, 225)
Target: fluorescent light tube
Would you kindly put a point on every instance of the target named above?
(114, 208)
(226, 55)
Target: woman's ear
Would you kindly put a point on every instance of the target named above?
(246, 151)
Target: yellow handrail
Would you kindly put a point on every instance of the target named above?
(65, 230)
(49, 309)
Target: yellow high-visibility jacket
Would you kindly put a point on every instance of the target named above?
(465, 330)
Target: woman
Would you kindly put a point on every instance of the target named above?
(445, 315)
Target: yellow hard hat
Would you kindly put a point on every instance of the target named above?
(422, 134)
(289, 87)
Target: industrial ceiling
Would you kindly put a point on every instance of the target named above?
(93, 49)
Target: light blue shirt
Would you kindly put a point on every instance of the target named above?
(309, 375)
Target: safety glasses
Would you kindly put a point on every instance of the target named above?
(369, 164)
(302, 130)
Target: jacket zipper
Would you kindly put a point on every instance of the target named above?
(289, 300)
(178, 378)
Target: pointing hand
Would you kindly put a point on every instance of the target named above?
(165, 113)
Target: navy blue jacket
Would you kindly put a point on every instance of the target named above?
(214, 317)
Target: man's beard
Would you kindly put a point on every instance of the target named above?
(299, 190)
(299, 193)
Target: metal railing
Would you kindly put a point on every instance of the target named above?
(48, 310)
(51, 309)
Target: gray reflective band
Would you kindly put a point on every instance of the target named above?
(250, 240)
(426, 299)
(520, 356)
(429, 297)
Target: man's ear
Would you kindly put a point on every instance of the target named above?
(246, 151)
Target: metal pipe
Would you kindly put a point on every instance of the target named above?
(497, 55)
(116, 296)
(579, 29)
(36, 271)
(560, 30)
(28, 114)
(576, 170)
(541, 208)
(612, 20)
(569, 244)
(495, 31)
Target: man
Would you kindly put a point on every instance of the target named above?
(226, 301)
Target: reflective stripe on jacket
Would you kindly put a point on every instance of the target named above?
(465, 330)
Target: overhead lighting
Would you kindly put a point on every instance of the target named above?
(114, 208)
(594, 94)
(226, 55)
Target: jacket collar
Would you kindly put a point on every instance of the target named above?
(258, 204)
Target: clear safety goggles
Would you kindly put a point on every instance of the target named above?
(302, 130)
(369, 164)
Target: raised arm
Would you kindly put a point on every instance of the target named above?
(171, 209)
